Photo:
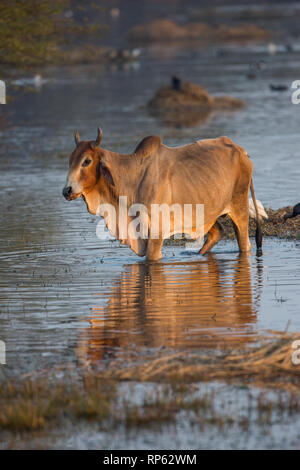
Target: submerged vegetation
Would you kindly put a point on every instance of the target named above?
(116, 342)
(170, 386)
(32, 404)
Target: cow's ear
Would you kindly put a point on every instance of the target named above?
(105, 172)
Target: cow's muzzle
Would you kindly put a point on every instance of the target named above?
(67, 192)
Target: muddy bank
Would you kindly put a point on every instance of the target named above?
(163, 30)
(274, 226)
(184, 103)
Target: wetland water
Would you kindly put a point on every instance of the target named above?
(66, 295)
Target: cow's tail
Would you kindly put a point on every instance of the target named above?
(258, 233)
(260, 207)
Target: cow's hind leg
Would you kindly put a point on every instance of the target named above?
(239, 215)
(213, 237)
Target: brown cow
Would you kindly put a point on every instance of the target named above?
(214, 172)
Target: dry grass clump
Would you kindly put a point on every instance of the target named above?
(189, 103)
(274, 226)
(84, 54)
(189, 95)
(202, 409)
(32, 404)
(227, 103)
(162, 406)
(244, 33)
(269, 364)
(163, 30)
(157, 30)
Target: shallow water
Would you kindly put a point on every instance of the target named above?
(233, 419)
(84, 97)
(65, 295)
(282, 431)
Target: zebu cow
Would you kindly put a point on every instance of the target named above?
(214, 172)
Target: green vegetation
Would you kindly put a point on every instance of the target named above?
(35, 32)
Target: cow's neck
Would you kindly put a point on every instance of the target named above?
(100, 194)
(92, 200)
(126, 173)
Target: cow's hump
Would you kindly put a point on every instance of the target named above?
(148, 146)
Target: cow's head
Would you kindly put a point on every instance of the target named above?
(86, 165)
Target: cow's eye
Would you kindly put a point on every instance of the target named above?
(86, 162)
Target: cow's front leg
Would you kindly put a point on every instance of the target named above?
(213, 237)
(154, 249)
(139, 246)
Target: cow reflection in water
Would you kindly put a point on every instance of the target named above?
(207, 303)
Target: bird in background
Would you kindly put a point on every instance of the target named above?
(176, 83)
(295, 213)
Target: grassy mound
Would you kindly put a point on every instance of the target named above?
(188, 104)
(274, 226)
(190, 95)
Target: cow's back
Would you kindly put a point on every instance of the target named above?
(205, 172)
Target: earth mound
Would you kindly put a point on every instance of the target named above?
(185, 103)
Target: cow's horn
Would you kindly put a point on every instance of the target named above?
(99, 137)
(77, 138)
